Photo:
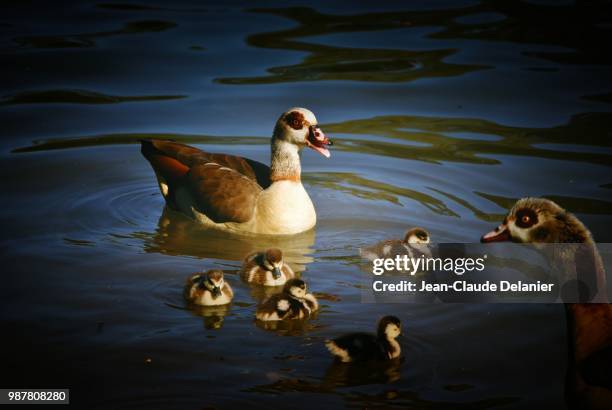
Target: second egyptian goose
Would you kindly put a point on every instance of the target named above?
(589, 325)
(238, 194)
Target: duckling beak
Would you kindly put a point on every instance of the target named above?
(318, 141)
(499, 234)
(276, 273)
(216, 292)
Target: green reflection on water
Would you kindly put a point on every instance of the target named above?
(134, 138)
(588, 128)
(77, 97)
(365, 188)
(88, 39)
(324, 62)
(346, 63)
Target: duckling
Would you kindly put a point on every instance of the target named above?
(292, 303)
(266, 268)
(589, 325)
(208, 289)
(365, 346)
(415, 241)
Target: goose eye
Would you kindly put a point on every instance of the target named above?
(526, 218)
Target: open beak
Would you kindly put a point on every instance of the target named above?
(499, 234)
(318, 141)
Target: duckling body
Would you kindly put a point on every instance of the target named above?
(208, 289)
(589, 325)
(266, 268)
(414, 244)
(292, 303)
(359, 346)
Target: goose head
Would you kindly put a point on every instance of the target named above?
(538, 220)
(298, 126)
(416, 236)
(389, 327)
(213, 282)
(272, 261)
(296, 288)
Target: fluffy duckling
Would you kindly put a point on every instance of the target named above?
(365, 346)
(589, 325)
(415, 243)
(294, 302)
(266, 268)
(415, 240)
(208, 289)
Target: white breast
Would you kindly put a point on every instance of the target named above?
(284, 208)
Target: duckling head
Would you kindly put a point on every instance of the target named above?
(538, 220)
(213, 282)
(296, 288)
(298, 126)
(389, 327)
(272, 261)
(416, 236)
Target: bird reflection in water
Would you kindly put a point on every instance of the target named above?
(178, 235)
(291, 327)
(340, 374)
(213, 315)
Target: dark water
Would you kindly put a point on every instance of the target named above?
(443, 114)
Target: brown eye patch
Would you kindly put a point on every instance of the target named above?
(295, 120)
(526, 218)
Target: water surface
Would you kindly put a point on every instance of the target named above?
(443, 114)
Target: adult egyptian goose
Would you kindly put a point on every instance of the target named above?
(266, 268)
(238, 194)
(589, 325)
(364, 346)
(294, 302)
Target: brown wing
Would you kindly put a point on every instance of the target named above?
(224, 187)
(171, 159)
(221, 193)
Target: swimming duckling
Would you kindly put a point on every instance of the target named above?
(414, 244)
(589, 325)
(292, 303)
(208, 289)
(266, 268)
(365, 346)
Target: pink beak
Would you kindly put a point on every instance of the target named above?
(318, 141)
(499, 234)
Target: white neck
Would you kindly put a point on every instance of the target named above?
(285, 164)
